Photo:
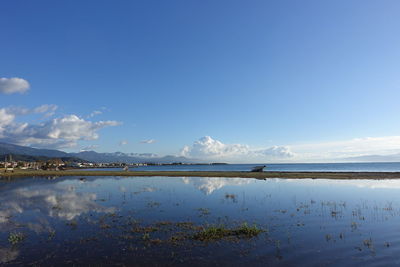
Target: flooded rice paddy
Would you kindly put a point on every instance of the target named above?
(198, 221)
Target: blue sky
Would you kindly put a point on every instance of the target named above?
(298, 78)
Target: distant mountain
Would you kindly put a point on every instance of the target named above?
(28, 158)
(6, 148)
(375, 158)
(129, 157)
(91, 156)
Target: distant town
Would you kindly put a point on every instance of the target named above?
(55, 164)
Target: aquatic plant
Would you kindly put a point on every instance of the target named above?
(185, 225)
(16, 237)
(145, 229)
(204, 211)
(219, 232)
(231, 197)
(153, 204)
(156, 241)
(105, 226)
(368, 243)
(146, 236)
(341, 235)
(52, 234)
(73, 224)
(328, 237)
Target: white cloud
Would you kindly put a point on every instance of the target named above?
(17, 110)
(277, 152)
(49, 110)
(385, 148)
(6, 118)
(95, 113)
(148, 141)
(207, 147)
(60, 132)
(13, 85)
(123, 143)
(210, 149)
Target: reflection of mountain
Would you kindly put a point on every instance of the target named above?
(210, 184)
(48, 200)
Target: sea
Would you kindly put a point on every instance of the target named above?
(287, 167)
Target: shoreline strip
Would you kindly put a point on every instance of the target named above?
(257, 175)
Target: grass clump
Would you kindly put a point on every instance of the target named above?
(15, 238)
(220, 232)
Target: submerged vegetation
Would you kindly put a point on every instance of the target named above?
(218, 232)
(15, 238)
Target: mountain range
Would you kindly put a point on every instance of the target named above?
(30, 153)
(375, 158)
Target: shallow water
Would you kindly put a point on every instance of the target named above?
(152, 221)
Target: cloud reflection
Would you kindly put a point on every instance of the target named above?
(8, 254)
(209, 184)
(51, 200)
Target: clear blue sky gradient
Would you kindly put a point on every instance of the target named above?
(260, 73)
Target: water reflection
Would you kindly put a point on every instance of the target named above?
(383, 183)
(8, 254)
(50, 200)
(151, 220)
(208, 185)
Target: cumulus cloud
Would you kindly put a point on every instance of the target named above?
(386, 148)
(13, 85)
(6, 118)
(209, 148)
(59, 132)
(148, 141)
(277, 152)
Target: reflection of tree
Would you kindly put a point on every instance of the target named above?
(210, 184)
(8, 254)
(46, 200)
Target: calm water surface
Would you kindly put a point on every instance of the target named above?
(152, 221)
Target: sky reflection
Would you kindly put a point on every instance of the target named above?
(303, 216)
